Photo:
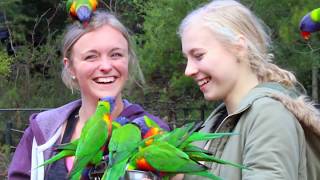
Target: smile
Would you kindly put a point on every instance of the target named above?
(105, 80)
(204, 81)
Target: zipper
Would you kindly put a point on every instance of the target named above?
(230, 115)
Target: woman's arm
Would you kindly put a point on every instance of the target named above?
(274, 145)
(20, 167)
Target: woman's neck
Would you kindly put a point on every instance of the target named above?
(88, 108)
(240, 90)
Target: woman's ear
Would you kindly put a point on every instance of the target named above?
(241, 47)
(241, 43)
(68, 66)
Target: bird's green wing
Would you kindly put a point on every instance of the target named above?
(200, 156)
(166, 158)
(58, 156)
(68, 146)
(116, 171)
(86, 3)
(68, 4)
(193, 148)
(177, 136)
(200, 136)
(123, 142)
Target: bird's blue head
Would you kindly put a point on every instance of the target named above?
(111, 100)
(84, 14)
(308, 25)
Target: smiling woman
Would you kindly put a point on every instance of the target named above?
(227, 52)
(98, 61)
(101, 68)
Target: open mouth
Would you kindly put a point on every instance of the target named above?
(204, 81)
(105, 80)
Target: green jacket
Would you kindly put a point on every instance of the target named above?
(271, 141)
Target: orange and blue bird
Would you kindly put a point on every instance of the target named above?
(81, 9)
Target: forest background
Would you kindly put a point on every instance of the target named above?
(30, 61)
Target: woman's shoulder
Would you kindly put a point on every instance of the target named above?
(62, 111)
(268, 114)
(46, 123)
(267, 107)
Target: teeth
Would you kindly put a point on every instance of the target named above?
(203, 81)
(105, 80)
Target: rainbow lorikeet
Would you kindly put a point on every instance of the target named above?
(124, 141)
(310, 23)
(89, 148)
(172, 153)
(81, 9)
(94, 136)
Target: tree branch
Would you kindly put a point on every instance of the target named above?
(10, 34)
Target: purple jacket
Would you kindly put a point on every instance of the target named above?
(45, 130)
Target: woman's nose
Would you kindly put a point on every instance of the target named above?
(105, 64)
(191, 69)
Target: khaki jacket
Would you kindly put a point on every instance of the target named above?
(271, 140)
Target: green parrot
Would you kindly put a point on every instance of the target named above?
(99, 122)
(124, 141)
(94, 135)
(163, 157)
(179, 140)
(310, 23)
(69, 149)
(159, 154)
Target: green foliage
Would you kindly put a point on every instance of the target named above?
(4, 160)
(160, 49)
(5, 62)
(34, 80)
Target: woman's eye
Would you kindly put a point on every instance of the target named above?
(90, 57)
(198, 56)
(116, 55)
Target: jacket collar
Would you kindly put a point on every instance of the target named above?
(45, 124)
(261, 90)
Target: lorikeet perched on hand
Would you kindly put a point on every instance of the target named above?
(81, 9)
(310, 23)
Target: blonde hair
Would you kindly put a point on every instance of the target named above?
(227, 19)
(98, 19)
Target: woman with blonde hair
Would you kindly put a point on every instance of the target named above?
(98, 61)
(227, 52)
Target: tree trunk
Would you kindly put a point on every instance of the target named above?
(315, 71)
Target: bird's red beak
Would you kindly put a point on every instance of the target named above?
(85, 24)
(305, 35)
